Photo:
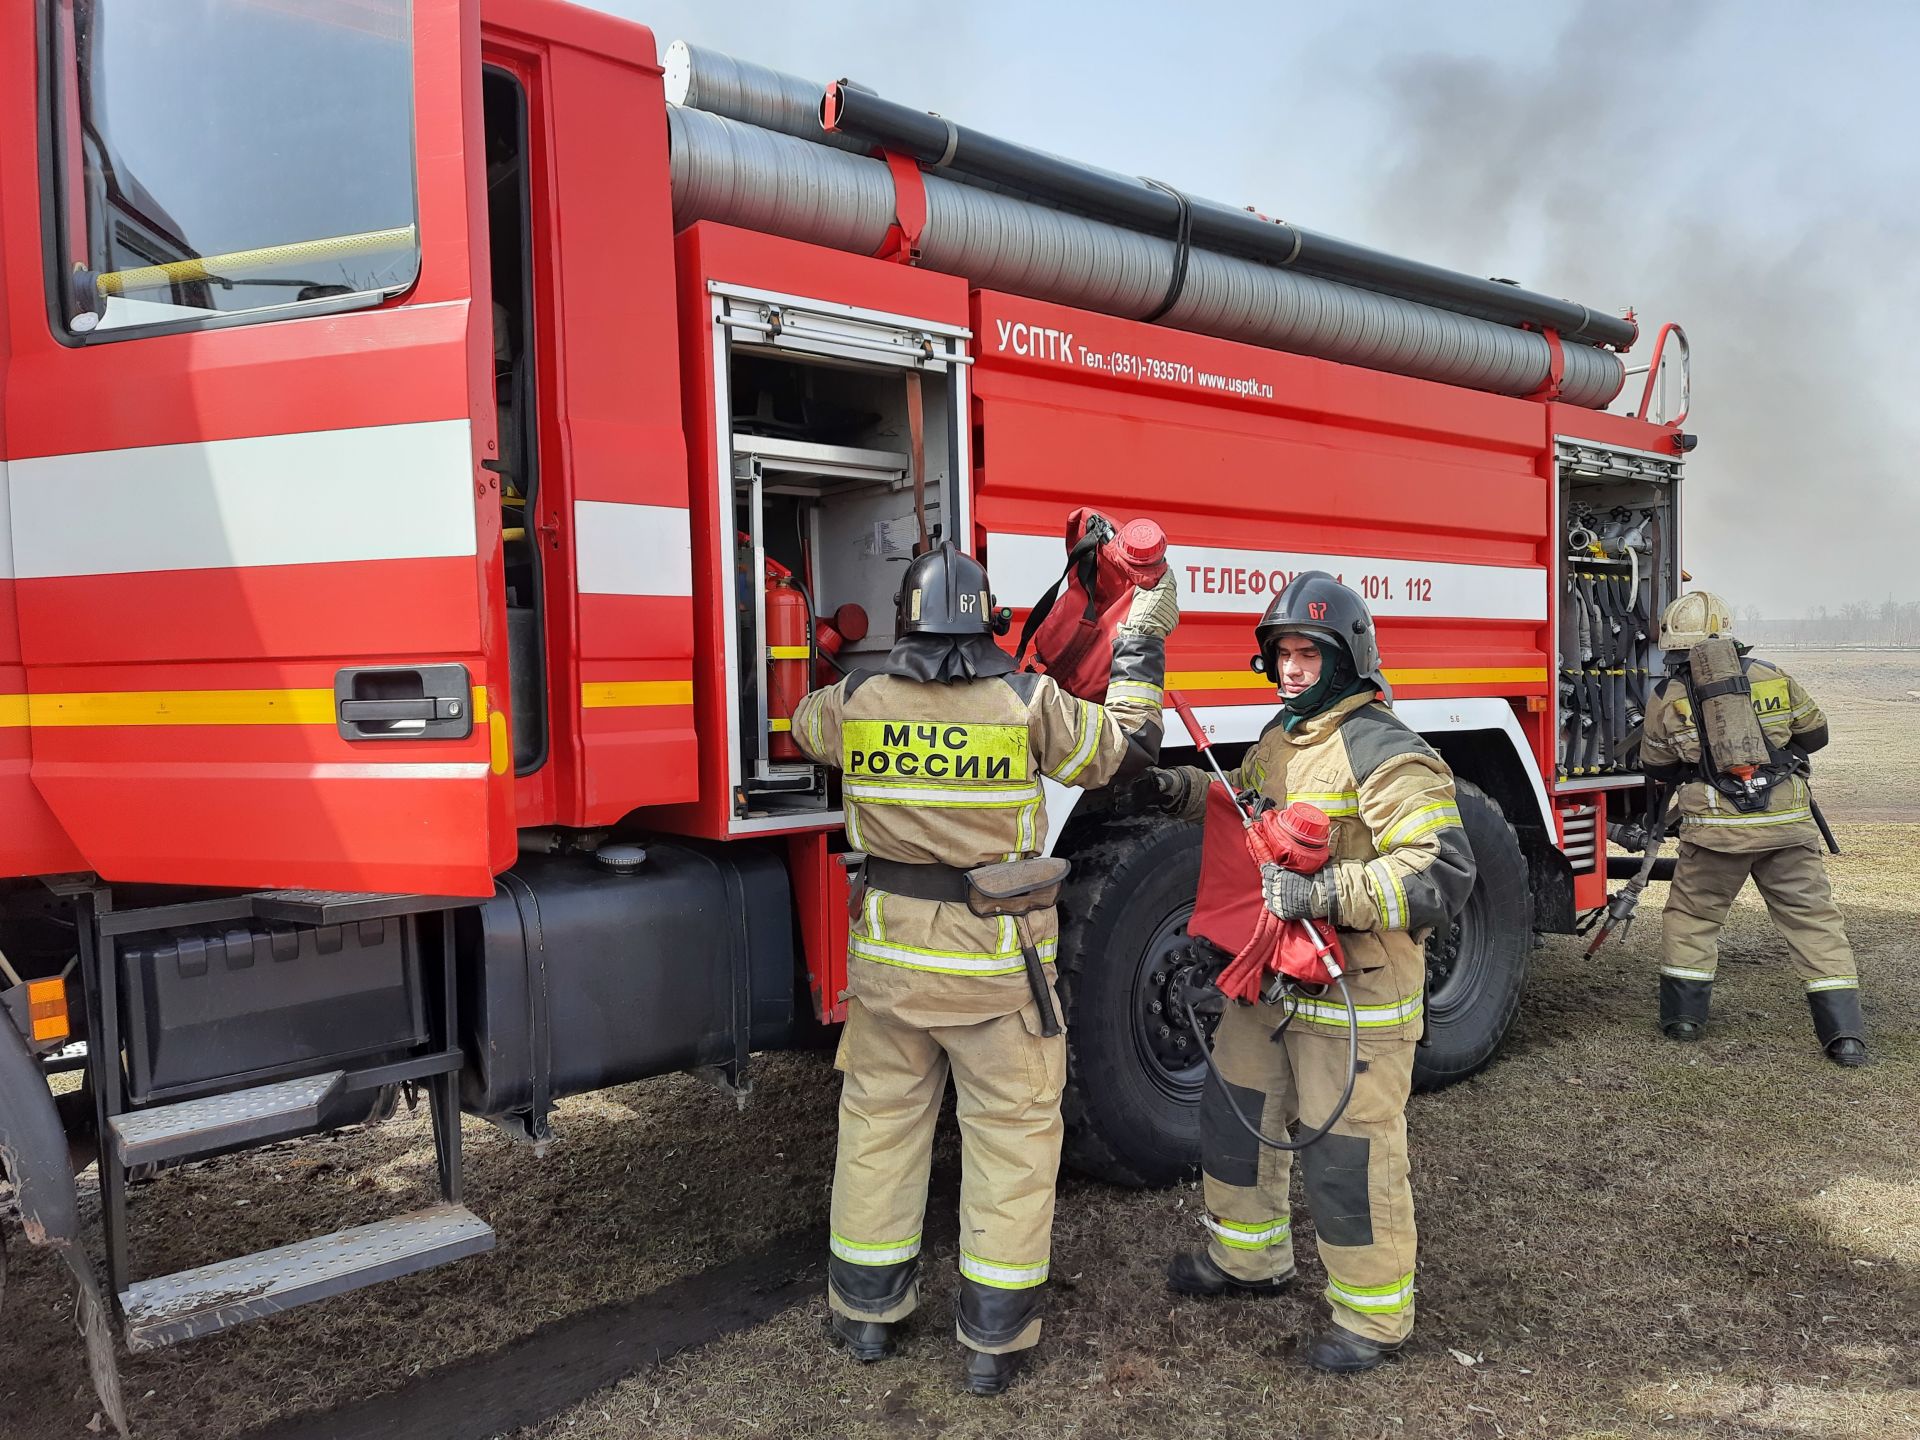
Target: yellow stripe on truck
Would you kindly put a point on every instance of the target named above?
(106, 708)
(627, 694)
(1469, 675)
(182, 707)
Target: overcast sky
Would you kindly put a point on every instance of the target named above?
(1749, 168)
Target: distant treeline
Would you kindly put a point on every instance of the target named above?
(1855, 623)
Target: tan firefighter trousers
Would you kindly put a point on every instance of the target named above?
(1793, 882)
(1007, 1081)
(1355, 1178)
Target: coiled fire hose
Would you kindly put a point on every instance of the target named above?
(1285, 960)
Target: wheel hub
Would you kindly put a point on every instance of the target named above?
(1443, 955)
(1166, 1041)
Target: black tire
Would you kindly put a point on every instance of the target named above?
(1131, 1105)
(1477, 967)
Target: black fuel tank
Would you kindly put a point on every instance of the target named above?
(574, 977)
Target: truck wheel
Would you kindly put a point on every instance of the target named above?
(1477, 967)
(1134, 1068)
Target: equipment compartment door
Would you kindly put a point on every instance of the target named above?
(249, 434)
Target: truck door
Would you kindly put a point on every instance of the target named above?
(255, 532)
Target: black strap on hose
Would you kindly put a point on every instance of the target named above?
(1320, 1132)
(1084, 558)
(1182, 249)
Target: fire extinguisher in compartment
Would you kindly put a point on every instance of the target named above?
(833, 633)
(789, 658)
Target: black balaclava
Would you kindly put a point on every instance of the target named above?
(1338, 681)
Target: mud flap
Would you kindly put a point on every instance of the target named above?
(33, 1151)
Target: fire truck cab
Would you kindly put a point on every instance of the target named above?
(430, 459)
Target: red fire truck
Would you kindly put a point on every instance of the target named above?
(427, 430)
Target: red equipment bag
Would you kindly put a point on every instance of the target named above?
(1071, 627)
(1229, 906)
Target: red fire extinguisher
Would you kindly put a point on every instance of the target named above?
(789, 658)
(831, 634)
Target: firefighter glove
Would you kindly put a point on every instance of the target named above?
(1164, 790)
(1154, 611)
(1292, 896)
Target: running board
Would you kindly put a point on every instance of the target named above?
(169, 1308)
(239, 1117)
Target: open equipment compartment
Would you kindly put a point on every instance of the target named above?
(814, 407)
(1618, 563)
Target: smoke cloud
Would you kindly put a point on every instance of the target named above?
(1790, 265)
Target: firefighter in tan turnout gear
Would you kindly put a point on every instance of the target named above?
(1400, 865)
(942, 752)
(1741, 815)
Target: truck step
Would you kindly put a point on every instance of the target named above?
(170, 1308)
(240, 1117)
(330, 907)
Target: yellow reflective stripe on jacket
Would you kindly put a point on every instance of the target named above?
(1135, 690)
(1370, 1017)
(1833, 982)
(1329, 802)
(1088, 731)
(887, 1252)
(1003, 1276)
(1374, 1299)
(1006, 797)
(815, 743)
(946, 962)
(1424, 821)
(1759, 820)
(1389, 896)
(1250, 1235)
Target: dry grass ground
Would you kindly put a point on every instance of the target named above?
(1622, 1239)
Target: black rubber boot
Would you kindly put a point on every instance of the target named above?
(865, 1340)
(1193, 1272)
(1839, 1025)
(1341, 1352)
(1683, 1007)
(986, 1374)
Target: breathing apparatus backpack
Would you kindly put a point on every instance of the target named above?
(1736, 758)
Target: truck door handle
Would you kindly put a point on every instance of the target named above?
(404, 702)
(365, 710)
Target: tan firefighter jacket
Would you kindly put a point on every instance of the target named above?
(1400, 862)
(950, 774)
(1670, 749)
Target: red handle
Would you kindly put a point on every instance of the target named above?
(1187, 718)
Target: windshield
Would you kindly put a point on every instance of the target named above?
(221, 156)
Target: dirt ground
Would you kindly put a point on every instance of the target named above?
(1622, 1239)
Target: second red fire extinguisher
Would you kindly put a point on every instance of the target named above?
(789, 658)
